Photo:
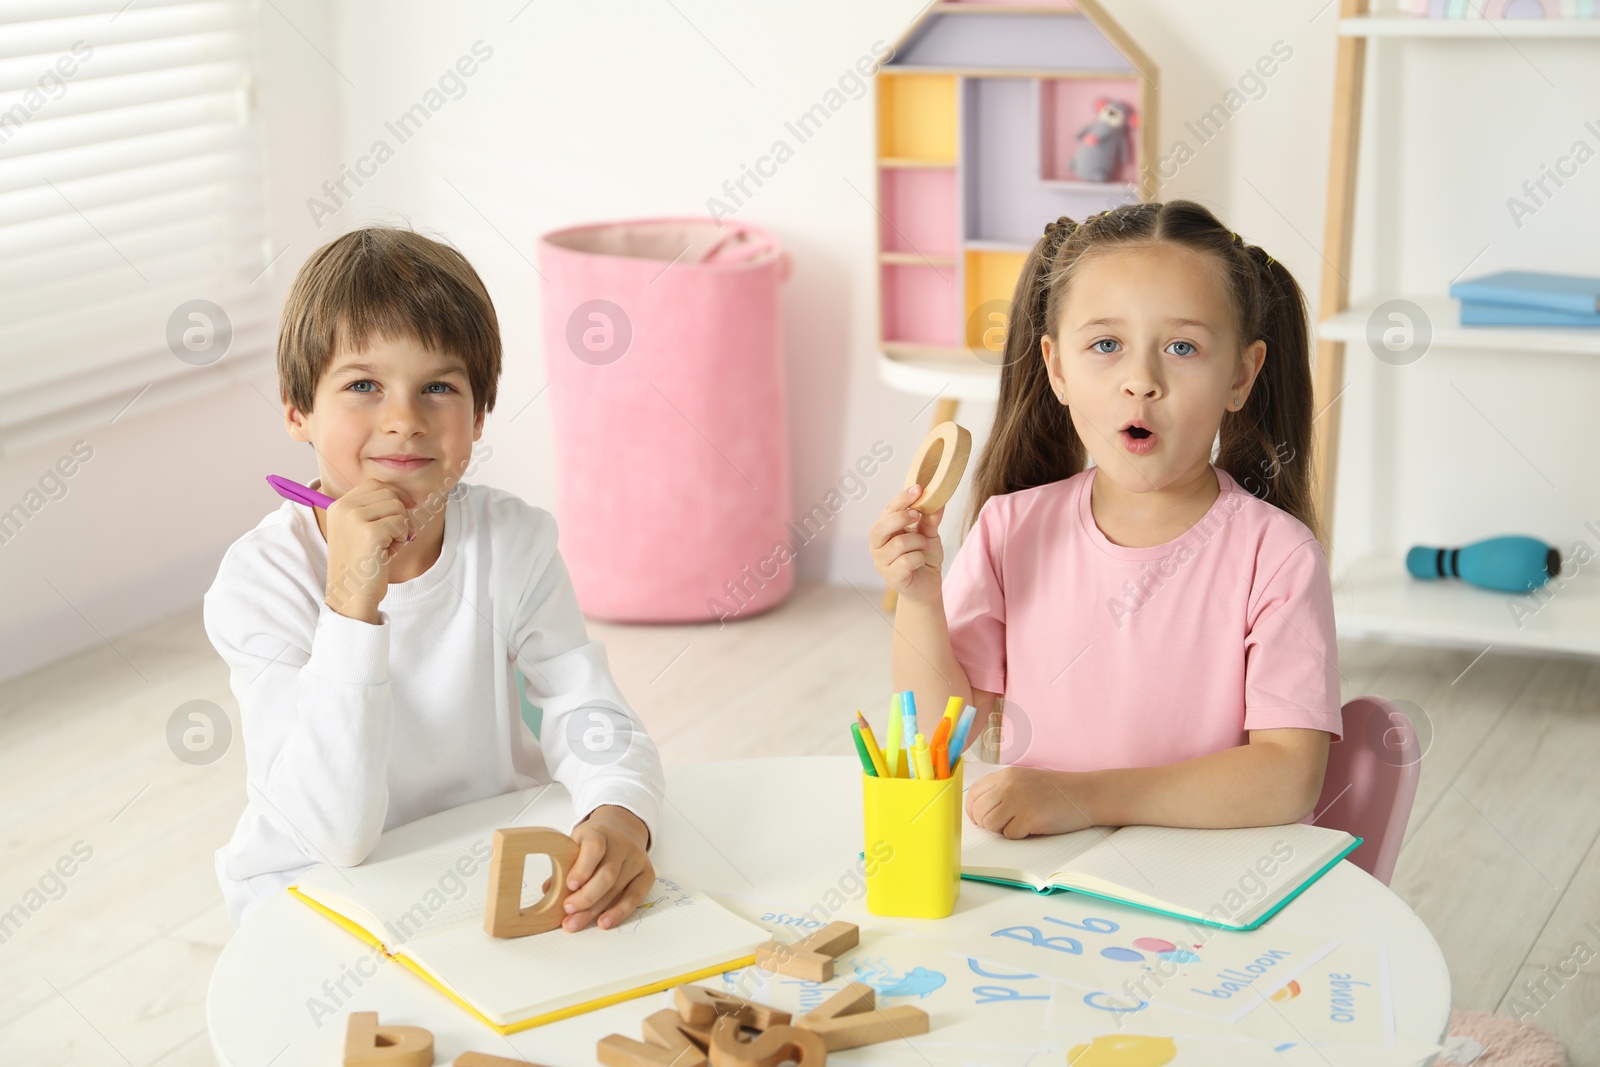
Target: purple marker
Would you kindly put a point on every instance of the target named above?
(302, 495)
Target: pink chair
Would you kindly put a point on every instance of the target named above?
(1371, 782)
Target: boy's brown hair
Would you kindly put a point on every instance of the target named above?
(387, 282)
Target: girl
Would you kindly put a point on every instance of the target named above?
(1160, 624)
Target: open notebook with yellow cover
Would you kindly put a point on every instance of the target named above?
(425, 909)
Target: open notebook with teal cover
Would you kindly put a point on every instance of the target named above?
(1233, 879)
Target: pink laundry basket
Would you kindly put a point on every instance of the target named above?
(661, 341)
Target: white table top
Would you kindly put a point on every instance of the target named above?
(780, 830)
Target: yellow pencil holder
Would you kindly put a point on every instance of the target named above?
(913, 844)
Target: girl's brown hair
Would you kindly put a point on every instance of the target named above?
(1265, 446)
(387, 282)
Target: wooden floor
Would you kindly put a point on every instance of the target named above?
(1501, 858)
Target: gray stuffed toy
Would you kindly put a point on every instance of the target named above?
(1103, 144)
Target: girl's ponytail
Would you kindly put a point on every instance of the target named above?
(1266, 446)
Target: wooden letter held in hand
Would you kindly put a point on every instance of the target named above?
(848, 1019)
(811, 957)
(770, 1048)
(505, 916)
(366, 1044)
(940, 461)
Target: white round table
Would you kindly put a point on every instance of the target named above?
(758, 828)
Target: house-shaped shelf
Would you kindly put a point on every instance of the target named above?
(979, 115)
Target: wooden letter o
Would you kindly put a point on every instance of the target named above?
(938, 466)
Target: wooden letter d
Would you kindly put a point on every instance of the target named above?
(504, 916)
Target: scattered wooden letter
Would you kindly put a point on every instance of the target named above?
(668, 1042)
(366, 1044)
(683, 1038)
(483, 1059)
(774, 1045)
(668, 1029)
(504, 915)
(848, 1019)
(700, 1006)
(784, 958)
(811, 957)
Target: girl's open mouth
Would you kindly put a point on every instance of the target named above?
(1138, 440)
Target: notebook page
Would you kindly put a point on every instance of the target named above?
(673, 932)
(1228, 875)
(1034, 859)
(399, 893)
(399, 898)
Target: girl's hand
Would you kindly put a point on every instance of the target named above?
(906, 549)
(1019, 801)
(612, 873)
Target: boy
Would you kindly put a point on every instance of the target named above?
(371, 647)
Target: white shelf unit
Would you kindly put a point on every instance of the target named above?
(1444, 320)
(1368, 598)
(956, 377)
(1373, 594)
(1411, 26)
(972, 82)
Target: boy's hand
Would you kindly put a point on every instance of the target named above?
(613, 872)
(906, 549)
(1019, 801)
(366, 526)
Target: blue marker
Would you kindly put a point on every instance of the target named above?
(909, 703)
(958, 736)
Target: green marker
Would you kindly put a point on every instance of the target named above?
(861, 750)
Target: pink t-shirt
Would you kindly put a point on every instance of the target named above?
(1109, 656)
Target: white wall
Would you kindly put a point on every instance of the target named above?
(640, 108)
(144, 523)
(644, 109)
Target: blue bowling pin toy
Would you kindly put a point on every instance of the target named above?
(1505, 564)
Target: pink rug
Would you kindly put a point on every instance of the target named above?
(1481, 1039)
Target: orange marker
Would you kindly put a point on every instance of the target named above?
(941, 759)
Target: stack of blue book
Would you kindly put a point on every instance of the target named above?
(1529, 298)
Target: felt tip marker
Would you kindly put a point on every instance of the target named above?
(302, 495)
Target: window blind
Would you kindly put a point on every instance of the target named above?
(132, 208)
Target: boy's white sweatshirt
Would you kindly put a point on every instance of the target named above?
(352, 728)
